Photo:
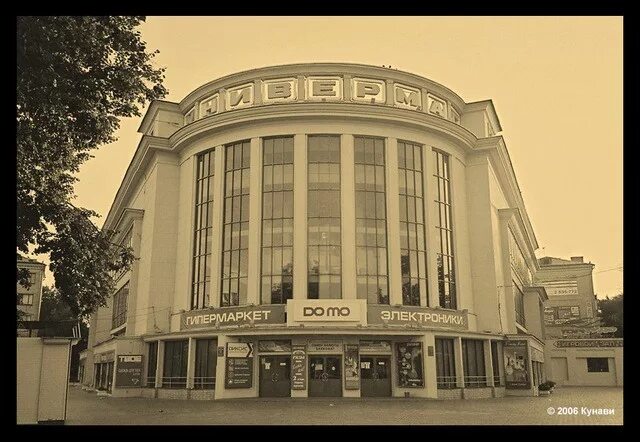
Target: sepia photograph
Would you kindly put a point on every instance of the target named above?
(319, 220)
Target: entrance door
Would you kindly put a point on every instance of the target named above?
(325, 379)
(275, 376)
(375, 376)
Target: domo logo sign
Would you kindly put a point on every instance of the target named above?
(329, 310)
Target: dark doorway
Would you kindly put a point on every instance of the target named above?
(375, 376)
(275, 376)
(325, 379)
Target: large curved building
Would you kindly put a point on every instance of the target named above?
(321, 229)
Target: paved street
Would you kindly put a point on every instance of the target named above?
(87, 408)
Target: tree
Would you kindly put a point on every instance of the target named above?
(76, 76)
(611, 313)
(54, 309)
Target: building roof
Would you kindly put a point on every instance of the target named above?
(553, 261)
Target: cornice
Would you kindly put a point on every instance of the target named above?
(540, 290)
(327, 110)
(156, 106)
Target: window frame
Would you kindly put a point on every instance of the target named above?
(474, 378)
(169, 380)
(597, 368)
(446, 376)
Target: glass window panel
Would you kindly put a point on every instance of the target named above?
(266, 261)
(287, 204)
(287, 288)
(380, 206)
(360, 177)
(370, 198)
(267, 205)
(277, 232)
(277, 204)
(234, 264)
(372, 261)
(410, 183)
(287, 261)
(379, 179)
(287, 232)
(419, 210)
(411, 209)
(244, 262)
(244, 235)
(383, 287)
(236, 209)
(403, 208)
(324, 289)
(360, 232)
(409, 157)
(361, 260)
(287, 179)
(276, 261)
(404, 236)
(278, 177)
(358, 150)
(268, 152)
(245, 181)
(381, 233)
(361, 287)
(418, 183)
(312, 287)
(242, 289)
(287, 157)
(370, 177)
(382, 261)
(402, 182)
(401, 155)
(278, 151)
(227, 210)
(314, 260)
(246, 154)
(235, 236)
(360, 204)
(335, 260)
(379, 148)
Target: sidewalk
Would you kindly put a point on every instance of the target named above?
(86, 408)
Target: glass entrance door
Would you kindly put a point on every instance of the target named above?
(325, 376)
(375, 376)
(275, 376)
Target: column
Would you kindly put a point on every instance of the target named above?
(299, 216)
(217, 225)
(488, 364)
(160, 365)
(255, 223)
(430, 367)
(348, 215)
(393, 222)
(191, 363)
(457, 348)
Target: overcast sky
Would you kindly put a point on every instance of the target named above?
(556, 83)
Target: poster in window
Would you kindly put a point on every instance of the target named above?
(409, 359)
(351, 371)
(516, 365)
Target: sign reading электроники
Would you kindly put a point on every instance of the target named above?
(233, 316)
(420, 316)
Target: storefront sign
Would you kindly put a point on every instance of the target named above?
(233, 316)
(239, 366)
(378, 347)
(239, 350)
(351, 370)
(274, 346)
(409, 359)
(582, 343)
(325, 346)
(323, 88)
(325, 310)
(129, 371)
(104, 357)
(516, 363)
(561, 288)
(419, 316)
(299, 367)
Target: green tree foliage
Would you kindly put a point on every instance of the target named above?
(611, 313)
(76, 76)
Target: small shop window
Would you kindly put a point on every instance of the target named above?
(152, 364)
(598, 365)
(473, 362)
(175, 364)
(206, 360)
(445, 363)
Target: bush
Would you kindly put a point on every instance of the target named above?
(551, 384)
(545, 386)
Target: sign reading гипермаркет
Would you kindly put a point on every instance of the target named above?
(232, 316)
(419, 316)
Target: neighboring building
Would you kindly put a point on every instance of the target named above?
(578, 351)
(30, 299)
(572, 308)
(322, 229)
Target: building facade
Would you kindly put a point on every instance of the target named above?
(323, 229)
(30, 298)
(572, 307)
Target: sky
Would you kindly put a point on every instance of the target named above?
(556, 83)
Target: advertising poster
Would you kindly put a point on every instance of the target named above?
(351, 371)
(299, 367)
(129, 371)
(239, 367)
(409, 359)
(516, 364)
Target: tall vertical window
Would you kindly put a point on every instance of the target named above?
(371, 221)
(175, 364)
(473, 363)
(236, 224)
(445, 363)
(206, 360)
(323, 213)
(152, 364)
(519, 303)
(277, 220)
(119, 311)
(412, 238)
(203, 231)
(496, 352)
(444, 225)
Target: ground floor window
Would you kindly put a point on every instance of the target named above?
(473, 363)
(152, 364)
(496, 359)
(598, 365)
(445, 363)
(175, 364)
(206, 360)
(103, 376)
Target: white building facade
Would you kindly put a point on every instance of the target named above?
(323, 229)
